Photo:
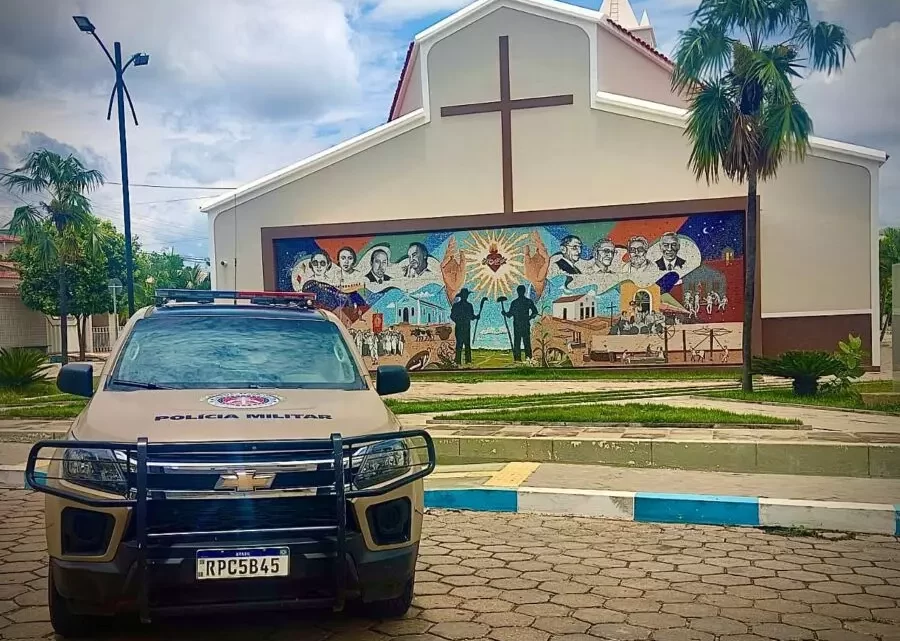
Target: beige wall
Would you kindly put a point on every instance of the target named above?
(20, 326)
(622, 69)
(815, 229)
(412, 98)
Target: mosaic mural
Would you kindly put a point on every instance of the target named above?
(584, 294)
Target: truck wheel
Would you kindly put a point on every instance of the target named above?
(392, 608)
(66, 623)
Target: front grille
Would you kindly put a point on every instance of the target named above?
(166, 516)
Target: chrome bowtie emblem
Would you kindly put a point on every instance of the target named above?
(245, 481)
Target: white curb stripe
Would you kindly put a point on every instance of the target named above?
(869, 518)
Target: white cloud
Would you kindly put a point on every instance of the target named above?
(859, 105)
(235, 89)
(410, 9)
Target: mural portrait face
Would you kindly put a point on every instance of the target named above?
(346, 259)
(379, 262)
(637, 250)
(418, 258)
(670, 245)
(570, 247)
(320, 264)
(604, 253)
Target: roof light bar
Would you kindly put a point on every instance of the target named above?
(302, 299)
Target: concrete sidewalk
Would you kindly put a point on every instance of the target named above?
(599, 477)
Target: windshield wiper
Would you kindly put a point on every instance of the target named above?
(138, 384)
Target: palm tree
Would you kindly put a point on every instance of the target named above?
(888, 256)
(736, 65)
(53, 227)
(195, 277)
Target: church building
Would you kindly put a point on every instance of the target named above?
(535, 156)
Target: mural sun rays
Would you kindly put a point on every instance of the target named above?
(498, 267)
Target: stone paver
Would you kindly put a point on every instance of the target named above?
(651, 582)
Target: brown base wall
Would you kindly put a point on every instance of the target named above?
(814, 333)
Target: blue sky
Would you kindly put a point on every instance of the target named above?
(236, 89)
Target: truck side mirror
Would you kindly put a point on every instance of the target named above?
(77, 379)
(391, 379)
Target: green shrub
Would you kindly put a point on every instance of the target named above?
(20, 367)
(804, 368)
(851, 355)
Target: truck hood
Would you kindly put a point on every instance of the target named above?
(223, 415)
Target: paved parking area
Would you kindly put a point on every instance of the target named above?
(514, 577)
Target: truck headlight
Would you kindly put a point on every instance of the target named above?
(381, 462)
(97, 469)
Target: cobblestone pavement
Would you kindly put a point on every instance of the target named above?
(534, 578)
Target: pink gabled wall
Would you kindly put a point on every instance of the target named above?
(622, 68)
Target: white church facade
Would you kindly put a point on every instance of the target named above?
(535, 151)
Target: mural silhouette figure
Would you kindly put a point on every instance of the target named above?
(522, 311)
(462, 313)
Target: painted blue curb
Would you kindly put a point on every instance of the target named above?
(478, 499)
(693, 509)
(700, 509)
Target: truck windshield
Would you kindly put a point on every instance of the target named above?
(235, 352)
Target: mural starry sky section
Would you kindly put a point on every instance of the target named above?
(713, 233)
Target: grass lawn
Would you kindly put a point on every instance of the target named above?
(787, 396)
(875, 386)
(22, 395)
(69, 409)
(646, 413)
(432, 406)
(576, 374)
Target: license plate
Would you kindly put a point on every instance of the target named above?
(243, 563)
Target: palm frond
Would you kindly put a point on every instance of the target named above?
(710, 121)
(26, 221)
(79, 177)
(785, 131)
(23, 183)
(740, 156)
(828, 45)
(94, 236)
(702, 52)
(45, 247)
(772, 69)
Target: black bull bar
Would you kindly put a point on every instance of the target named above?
(137, 474)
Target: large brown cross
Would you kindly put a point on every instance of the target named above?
(506, 106)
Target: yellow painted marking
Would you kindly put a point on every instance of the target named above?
(461, 475)
(512, 475)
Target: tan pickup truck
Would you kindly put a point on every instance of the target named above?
(235, 454)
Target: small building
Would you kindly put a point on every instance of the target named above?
(19, 325)
(575, 306)
(414, 310)
(638, 298)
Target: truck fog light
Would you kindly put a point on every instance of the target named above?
(390, 522)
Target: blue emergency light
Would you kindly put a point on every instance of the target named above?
(291, 299)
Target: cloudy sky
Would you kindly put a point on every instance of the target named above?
(238, 88)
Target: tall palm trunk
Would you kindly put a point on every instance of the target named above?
(63, 315)
(750, 257)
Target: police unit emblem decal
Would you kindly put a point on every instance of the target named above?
(243, 400)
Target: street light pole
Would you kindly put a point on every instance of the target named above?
(120, 91)
(123, 154)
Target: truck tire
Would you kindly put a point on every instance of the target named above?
(66, 623)
(392, 608)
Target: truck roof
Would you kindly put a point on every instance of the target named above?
(256, 311)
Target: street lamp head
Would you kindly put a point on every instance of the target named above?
(84, 23)
(141, 59)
